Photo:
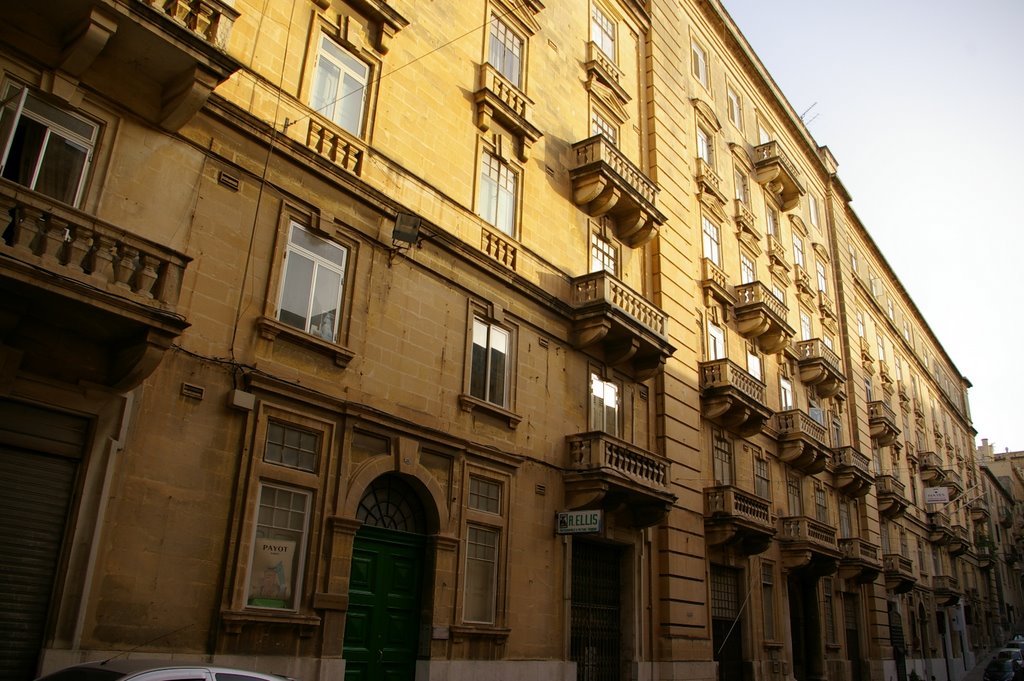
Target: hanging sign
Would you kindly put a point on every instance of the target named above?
(580, 522)
(936, 495)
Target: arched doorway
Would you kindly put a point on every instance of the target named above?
(383, 620)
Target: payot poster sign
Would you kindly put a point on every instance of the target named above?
(270, 585)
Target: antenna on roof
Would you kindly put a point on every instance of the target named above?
(807, 111)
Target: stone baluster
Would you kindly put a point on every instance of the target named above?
(124, 266)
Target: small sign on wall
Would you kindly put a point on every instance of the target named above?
(936, 495)
(580, 522)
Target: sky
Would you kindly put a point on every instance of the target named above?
(922, 104)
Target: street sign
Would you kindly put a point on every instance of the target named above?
(580, 522)
(936, 495)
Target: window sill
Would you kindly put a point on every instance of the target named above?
(234, 621)
(470, 403)
(271, 329)
(480, 631)
(773, 645)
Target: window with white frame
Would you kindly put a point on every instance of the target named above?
(721, 448)
(854, 264)
(603, 255)
(292, 447)
(785, 394)
(796, 506)
(602, 31)
(742, 187)
(339, 86)
(735, 107)
(716, 341)
(812, 209)
(481, 574)
(490, 365)
(484, 494)
(798, 250)
(827, 340)
(890, 309)
(313, 283)
(711, 241)
(498, 193)
(276, 563)
(505, 51)
(699, 63)
(860, 324)
(600, 125)
(906, 330)
(779, 292)
(805, 326)
(753, 363)
(748, 273)
(604, 405)
(762, 478)
(764, 133)
(822, 276)
(880, 343)
(45, 147)
(705, 146)
(771, 215)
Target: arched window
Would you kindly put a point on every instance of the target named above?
(391, 503)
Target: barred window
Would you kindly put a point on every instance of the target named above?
(725, 593)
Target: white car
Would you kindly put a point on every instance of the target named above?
(154, 670)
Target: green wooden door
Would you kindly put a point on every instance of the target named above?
(382, 625)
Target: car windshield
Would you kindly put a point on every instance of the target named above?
(998, 665)
(83, 674)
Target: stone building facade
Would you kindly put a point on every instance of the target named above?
(458, 339)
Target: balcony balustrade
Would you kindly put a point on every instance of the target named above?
(953, 481)
(606, 472)
(892, 496)
(117, 292)
(899, 573)
(737, 519)
(732, 398)
(631, 331)
(980, 512)
(960, 542)
(497, 99)
(853, 474)
(861, 560)
(605, 182)
(930, 468)
(709, 185)
(761, 317)
(716, 286)
(986, 556)
(809, 545)
(820, 367)
(747, 223)
(882, 423)
(946, 589)
(774, 170)
(802, 441)
(940, 531)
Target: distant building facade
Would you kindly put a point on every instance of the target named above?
(457, 340)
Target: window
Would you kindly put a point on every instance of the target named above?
(276, 564)
(798, 251)
(602, 31)
(812, 209)
(822, 277)
(827, 608)
(768, 600)
(735, 108)
(853, 258)
(793, 495)
(699, 63)
(45, 148)
(742, 187)
(711, 242)
(845, 525)
(506, 52)
(716, 342)
(827, 340)
(484, 495)
(772, 219)
(604, 405)
(906, 330)
(779, 292)
(722, 455)
(753, 363)
(764, 133)
(785, 394)
(748, 274)
(291, 447)
(603, 255)
(890, 309)
(488, 380)
(837, 430)
(339, 86)
(762, 479)
(880, 341)
(498, 184)
(314, 284)
(805, 326)
(869, 393)
(860, 324)
(481, 574)
(820, 504)
(600, 125)
(705, 146)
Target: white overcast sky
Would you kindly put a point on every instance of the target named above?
(922, 104)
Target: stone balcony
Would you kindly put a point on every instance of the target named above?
(497, 99)
(605, 182)
(953, 481)
(961, 541)
(117, 294)
(930, 468)
(820, 367)
(609, 473)
(160, 59)
(882, 424)
(852, 472)
(892, 496)
(737, 520)
(802, 441)
(861, 560)
(761, 317)
(808, 545)
(715, 283)
(940, 531)
(946, 589)
(980, 511)
(899, 573)
(986, 556)
(631, 332)
(709, 185)
(732, 398)
(774, 170)
(1005, 517)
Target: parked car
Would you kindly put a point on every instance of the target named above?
(1016, 643)
(154, 670)
(1001, 669)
